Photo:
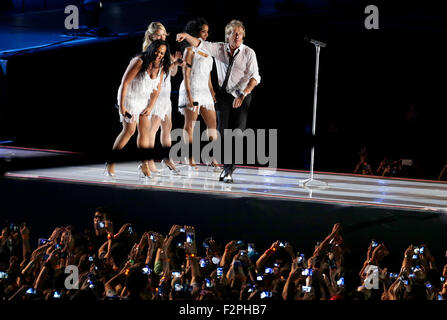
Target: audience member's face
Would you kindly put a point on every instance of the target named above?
(204, 32)
(158, 35)
(99, 223)
(98, 217)
(236, 37)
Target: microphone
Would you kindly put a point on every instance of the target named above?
(315, 42)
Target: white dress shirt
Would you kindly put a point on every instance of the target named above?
(245, 65)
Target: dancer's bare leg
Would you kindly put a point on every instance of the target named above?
(209, 116)
(165, 137)
(120, 142)
(154, 125)
(143, 142)
(190, 116)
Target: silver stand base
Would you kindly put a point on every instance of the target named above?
(312, 183)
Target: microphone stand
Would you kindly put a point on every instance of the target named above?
(311, 182)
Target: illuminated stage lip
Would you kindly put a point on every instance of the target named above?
(343, 189)
(49, 151)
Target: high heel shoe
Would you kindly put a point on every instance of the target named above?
(142, 174)
(107, 172)
(192, 164)
(153, 169)
(215, 167)
(165, 163)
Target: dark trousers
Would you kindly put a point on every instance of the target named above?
(231, 118)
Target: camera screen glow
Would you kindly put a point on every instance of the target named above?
(306, 289)
(208, 282)
(307, 272)
(31, 291)
(266, 294)
(178, 287)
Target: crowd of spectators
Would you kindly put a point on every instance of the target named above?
(153, 266)
(389, 167)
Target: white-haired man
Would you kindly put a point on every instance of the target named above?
(238, 75)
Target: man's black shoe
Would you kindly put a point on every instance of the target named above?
(228, 178)
(223, 174)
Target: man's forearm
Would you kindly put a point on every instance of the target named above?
(250, 86)
(26, 248)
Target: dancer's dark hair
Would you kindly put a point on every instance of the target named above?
(193, 27)
(148, 56)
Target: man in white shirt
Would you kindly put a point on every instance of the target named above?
(238, 74)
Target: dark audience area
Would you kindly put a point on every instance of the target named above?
(115, 262)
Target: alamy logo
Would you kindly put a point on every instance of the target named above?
(72, 20)
(71, 281)
(372, 277)
(256, 146)
(372, 20)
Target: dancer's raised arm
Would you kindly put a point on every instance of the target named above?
(193, 41)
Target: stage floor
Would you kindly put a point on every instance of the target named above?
(346, 189)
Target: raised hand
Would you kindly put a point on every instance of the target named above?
(181, 36)
(178, 55)
(123, 230)
(213, 249)
(408, 258)
(143, 240)
(24, 231)
(336, 229)
(52, 258)
(275, 246)
(56, 234)
(379, 253)
(175, 230)
(159, 240)
(39, 252)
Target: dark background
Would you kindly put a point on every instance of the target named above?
(63, 98)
